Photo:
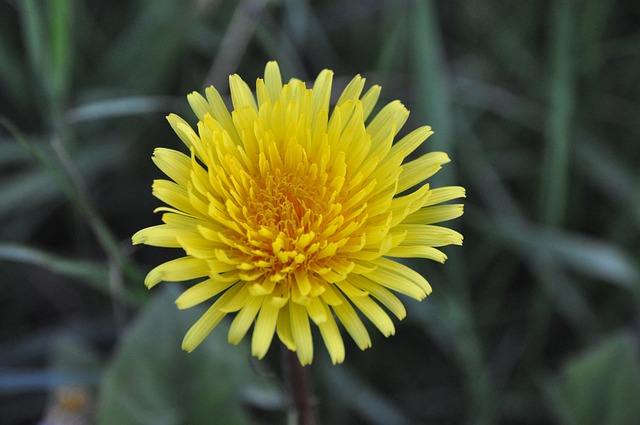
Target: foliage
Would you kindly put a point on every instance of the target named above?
(533, 321)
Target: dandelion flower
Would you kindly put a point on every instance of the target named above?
(290, 213)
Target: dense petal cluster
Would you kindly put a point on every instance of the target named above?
(292, 213)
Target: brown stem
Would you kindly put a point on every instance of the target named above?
(301, 389)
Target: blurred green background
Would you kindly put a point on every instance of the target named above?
(535, 320)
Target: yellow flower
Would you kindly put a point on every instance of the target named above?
(290, 212)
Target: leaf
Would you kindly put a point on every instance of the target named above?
(118, 107)
(152, 381)
(587, 255)
(357, 395)
(434, 103)
(554, 177)
(601, 386)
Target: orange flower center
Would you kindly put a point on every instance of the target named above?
(285, 202)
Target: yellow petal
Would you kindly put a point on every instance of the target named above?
(184, 268)
(369, 100)
(383, 295)
(241, 94)
(199, 105)
(392, 116)
(352, 323)
(201, 292)
(421, 169)
(174, 195)
(402, 206)
(203, 327)
(301, 333)
(264, 329)
(283, 328)
(375, 313)
(444, 194)
(273, 80)
(412, 141)
(220, 112)
(199, 247)
(244, 319)
(417, 251)
(160, 235)
(174, 164)
(316, 310)
(209, 320)
(350, 290)
(435, 214)
(428, 234)
(241, 298)
(322, 91)
(352, 90)
(182, 129)
(332, 338)
(398, 282)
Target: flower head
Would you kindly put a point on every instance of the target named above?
(292, 213)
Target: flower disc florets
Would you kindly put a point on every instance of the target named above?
(291, 213)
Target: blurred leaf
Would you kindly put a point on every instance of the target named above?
(71, 362)
(88, 271)
(433, 101)
(16, 381)
(555, 169)
(60, 17)
(447, 319)
(12, 77)
(77, 196)
(358, 396)
(122, 107)
(91, 273)
(565, 295)
(152, 381)
(42, 157)
(70, 353)
(24, 191)
(72, 372)
(33, 27)
(392, 48)
(612, 174)
(143, 56)
(586, 255)
(11, 154)
(602, 385)
(35, 347)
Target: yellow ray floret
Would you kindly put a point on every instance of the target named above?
(292, 213)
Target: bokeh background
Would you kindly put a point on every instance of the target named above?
(535, 320)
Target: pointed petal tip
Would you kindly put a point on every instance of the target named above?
(188, 347)
(304, 360)
(138, 237)
(153, 278)
(337, 360)
(271, 65)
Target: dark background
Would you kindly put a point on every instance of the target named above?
(534, 320)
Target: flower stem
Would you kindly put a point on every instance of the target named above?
(301, 390)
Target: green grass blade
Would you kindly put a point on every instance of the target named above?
(93, 274)
(33, 27)
(592, 257)
(120, 107)
(60, 17)
(101, 230)
(87, 271)
(432, 87)
(555, 172)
